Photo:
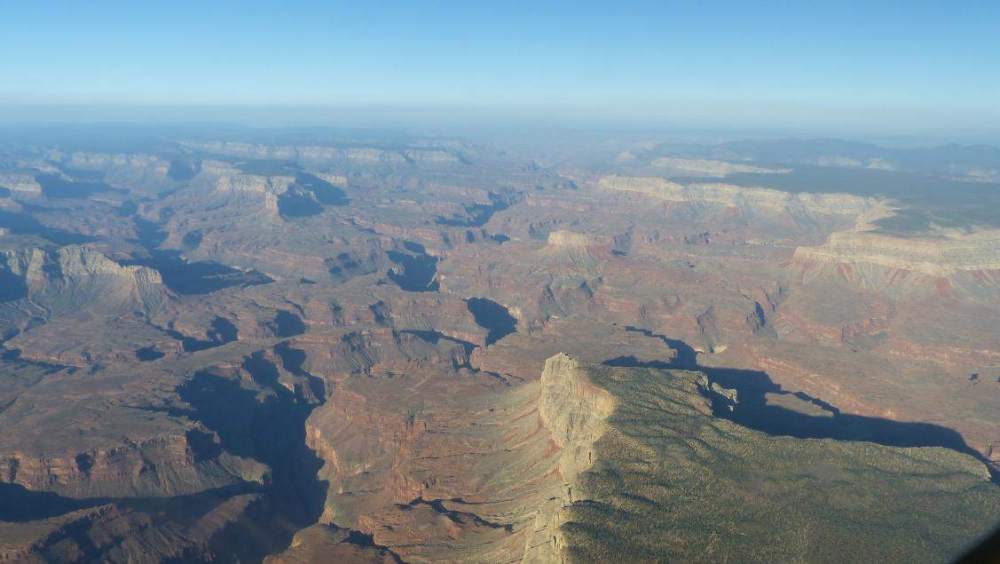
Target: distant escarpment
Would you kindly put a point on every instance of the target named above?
(938, 256)
(350, 154)
(710, 167)
(950, 262)
(760, 200)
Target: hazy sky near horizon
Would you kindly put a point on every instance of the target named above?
(880, 63)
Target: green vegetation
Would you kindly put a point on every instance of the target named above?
(674, 483)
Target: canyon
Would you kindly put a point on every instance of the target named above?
(418, 349)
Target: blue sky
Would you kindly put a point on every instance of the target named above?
(884, 64)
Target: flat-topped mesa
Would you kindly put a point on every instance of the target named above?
(239, 182)
(862, 210)
(939, 257)
(253, 191)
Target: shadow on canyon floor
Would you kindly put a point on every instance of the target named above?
(18, 504)
(493, 317)
(188, 277)
(752, 409)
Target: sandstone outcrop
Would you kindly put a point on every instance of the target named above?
(73, 277)
(940, 256)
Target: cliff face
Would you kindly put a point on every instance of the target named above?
(942, 256)
(162, 466)
(433, 480)
(574, 411)
(73, 277)
(965, 265)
